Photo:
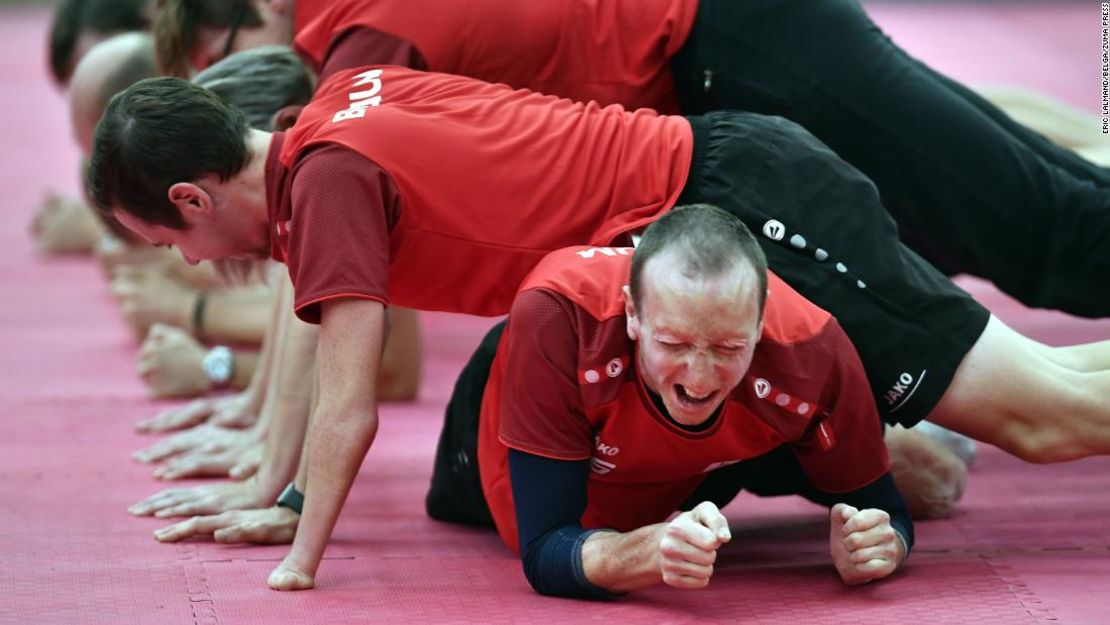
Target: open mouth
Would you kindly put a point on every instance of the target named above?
(694, 400)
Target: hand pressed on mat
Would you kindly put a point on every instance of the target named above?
(207, 499)
(148, 295)
(237, 462)
(267, 526)
(863, 544)
(689, 546)
(289, 575)
(232, 411)
(64, 226)
(171, 363)
(202, 438)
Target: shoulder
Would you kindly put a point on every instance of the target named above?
(331, 165)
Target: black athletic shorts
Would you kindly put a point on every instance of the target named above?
(971, 189)
(826, 233)
(456, 494)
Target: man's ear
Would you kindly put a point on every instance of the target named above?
(192, 201)
(285, 117)
(632, 321)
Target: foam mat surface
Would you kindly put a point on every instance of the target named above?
(1029, 544)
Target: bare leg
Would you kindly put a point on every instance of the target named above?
(1089, 357)
(1066, 125)
(1097, 154)
(1028, 399)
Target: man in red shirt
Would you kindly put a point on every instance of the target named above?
(613, 400)
(441, 192)
(972, 190)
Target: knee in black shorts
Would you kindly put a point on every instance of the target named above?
(456, 493)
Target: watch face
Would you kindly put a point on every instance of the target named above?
(218, 365)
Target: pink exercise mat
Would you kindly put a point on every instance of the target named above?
(1029, 544)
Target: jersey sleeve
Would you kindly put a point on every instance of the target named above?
(361, 46)
(843, 449)
(541, 406)
(343, 208)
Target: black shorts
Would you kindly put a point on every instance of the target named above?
(456, 494)
(971, 189)
(774, 474)
(826, 233)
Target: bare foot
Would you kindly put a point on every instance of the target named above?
(930, 476)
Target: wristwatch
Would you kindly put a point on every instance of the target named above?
(291, 498)
(219, 365)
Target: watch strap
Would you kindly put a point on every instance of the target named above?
(291, 498)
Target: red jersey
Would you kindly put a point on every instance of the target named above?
(565, 385)
(489, 181)
(610, 51)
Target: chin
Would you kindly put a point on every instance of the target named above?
(689, 417)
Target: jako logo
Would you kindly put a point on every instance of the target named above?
(903, 389)
(604, 251)
(362, 100)
(774, 229)
(605, 450)
(762, 388)
(600, 466)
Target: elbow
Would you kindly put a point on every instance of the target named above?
(535, 578)
(553, 565)
(533, 563)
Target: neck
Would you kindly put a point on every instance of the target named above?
(253, 178)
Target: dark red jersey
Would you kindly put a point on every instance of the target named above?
(488, 180)
(565, 385)
(611, 51)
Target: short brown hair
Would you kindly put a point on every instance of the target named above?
(710, 241)
(156, 133)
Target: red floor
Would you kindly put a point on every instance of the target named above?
(1029, 544)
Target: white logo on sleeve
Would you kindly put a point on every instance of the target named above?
(614, 368)
(364, 99)
(601, 450)
(604, 251)
(762, 388)
(600, 466)
(774, 229)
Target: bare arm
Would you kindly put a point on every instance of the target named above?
(401, 371)
(680, 553)
(341, 429)
(288, 399)
(237, 314)
(287, 406)
(561, 558)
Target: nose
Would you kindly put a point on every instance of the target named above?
(192, 263)
(698, 365)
